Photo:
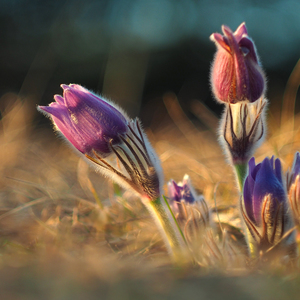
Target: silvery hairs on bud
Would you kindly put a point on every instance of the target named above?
(138, 168)
(242, 129)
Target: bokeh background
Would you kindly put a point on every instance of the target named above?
(135, 51)
(152, 57)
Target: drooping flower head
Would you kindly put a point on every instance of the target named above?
(87, 121)
(236, 74)
(97, 128)
(264, 207)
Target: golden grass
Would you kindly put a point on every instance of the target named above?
(68, 233)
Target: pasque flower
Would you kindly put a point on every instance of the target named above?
(118, 147)
(265, 209)
(97, 128)
(87, 121)
(236, 74)
(186, 204)
(183, 191)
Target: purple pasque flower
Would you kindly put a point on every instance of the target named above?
(263, 179)
(186, 204)
(97, 129)
(88, 122)
(183, 191)
(236, 74)
(265, 208)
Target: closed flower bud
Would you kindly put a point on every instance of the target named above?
(293, 184)
(87, 121)
(236, 74)
(243, 129)
(187, 205)
(182, 191)
(98, 129)
(265, 210)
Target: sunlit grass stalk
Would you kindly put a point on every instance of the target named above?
(169, 229)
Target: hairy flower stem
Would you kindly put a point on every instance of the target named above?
(241, 173)
(173, 238)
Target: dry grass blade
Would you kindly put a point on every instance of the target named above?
(289, 99)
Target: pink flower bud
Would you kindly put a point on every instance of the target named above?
(236, 74)
(88, 122)
(102, 132)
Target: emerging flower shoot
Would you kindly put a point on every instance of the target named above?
(183, 198)
(190, 209)
(236, 74)
(265, 211)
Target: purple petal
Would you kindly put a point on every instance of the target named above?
(246, 42)
(219, 40)
(247, 194)
(97, 121)
(187, 194)
(251, 164)
(266, 183)
(240, 32)
(242, 79)
(256, 81)
(61, 119)
(59, 99)
(54, 109)
(174, 191)
(278, 170)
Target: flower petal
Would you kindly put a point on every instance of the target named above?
(266, 183)
(240, 32)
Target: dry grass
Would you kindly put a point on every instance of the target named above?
(67, 233)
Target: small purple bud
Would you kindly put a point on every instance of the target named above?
(236, 74)
(88, 122)
(186, 204)
(183, 191)
(265, 209)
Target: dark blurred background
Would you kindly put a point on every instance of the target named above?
(135, 51)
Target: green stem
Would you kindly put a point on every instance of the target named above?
(175, 221)
(241, 172)
(172, 236)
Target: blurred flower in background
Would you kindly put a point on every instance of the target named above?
(187, 205)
